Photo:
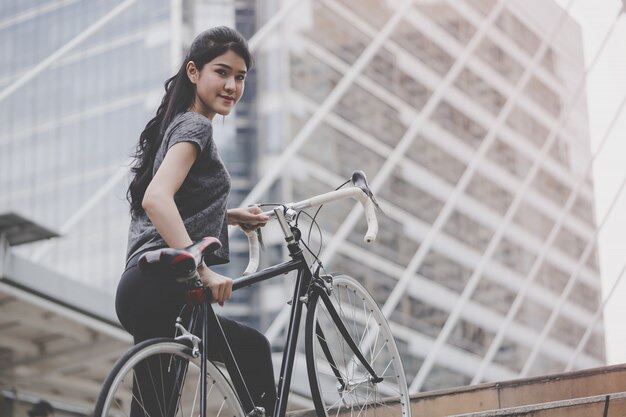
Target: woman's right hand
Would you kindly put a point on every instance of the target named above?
(221, 287)
(248, 218)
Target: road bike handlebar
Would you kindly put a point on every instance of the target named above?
(359, 192)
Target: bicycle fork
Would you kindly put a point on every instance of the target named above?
(346, 335)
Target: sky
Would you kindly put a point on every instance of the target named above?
(606, 89)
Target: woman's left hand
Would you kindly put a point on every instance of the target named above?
(248, 218)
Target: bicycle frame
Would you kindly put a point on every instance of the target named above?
(303, 284)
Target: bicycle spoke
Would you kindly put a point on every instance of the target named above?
(220, 410)
(196, 394)
(379, 352)
(367, 322)
(349, 325)
(154, 388)
(165, 407)
(177, 381)
(139, 400)
(339, 407)
(179, 404)
(365, 405)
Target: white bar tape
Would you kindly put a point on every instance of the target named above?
(253, 245)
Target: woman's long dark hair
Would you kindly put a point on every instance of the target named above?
(179, 96)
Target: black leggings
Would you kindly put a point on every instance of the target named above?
(147, 307)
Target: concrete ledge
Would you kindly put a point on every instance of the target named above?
(577, 393)
(601, 405)
(44, 282)
(521, 392)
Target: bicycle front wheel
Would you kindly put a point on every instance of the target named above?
(161, 378)
(339, 381)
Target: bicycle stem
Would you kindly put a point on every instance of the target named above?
(283, 225)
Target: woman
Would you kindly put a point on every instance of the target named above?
(178, 195)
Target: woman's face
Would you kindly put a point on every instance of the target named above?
(219, 85)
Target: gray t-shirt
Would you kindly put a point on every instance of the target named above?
(201, 199)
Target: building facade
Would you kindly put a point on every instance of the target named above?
(470, 120)
(465, 116)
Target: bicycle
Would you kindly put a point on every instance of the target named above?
(352, 360)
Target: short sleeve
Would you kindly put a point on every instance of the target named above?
(202, 199)
(191, 127)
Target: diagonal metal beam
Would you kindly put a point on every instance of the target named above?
(583, 341)
(393, 159)
(566, 291)
(581, 262)
(74, 42)
(331, 100)
(534, 270)
(37, 69)
(272, 24)
(34, 12)
(474, 280)
(305, 133)
(84, 209)
(400, 150)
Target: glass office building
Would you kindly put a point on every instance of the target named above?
(434, 118)
(67, 134)
(73, 126)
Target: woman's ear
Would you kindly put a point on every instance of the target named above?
(192, 72)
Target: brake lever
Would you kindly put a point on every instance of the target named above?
(359, 180)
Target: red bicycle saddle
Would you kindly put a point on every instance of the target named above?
(179, 263)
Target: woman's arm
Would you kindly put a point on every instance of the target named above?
(158, 202)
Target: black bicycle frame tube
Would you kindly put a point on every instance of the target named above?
(289, 352)
(329, 356)
(344, 332)
(270, 272)
(210, 319)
